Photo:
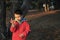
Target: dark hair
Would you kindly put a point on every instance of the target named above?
(20, 12)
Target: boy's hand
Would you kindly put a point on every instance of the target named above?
(22, 35)
(13, 22)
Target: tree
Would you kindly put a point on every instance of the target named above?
(3, 16)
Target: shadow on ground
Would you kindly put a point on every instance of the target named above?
(45, 28)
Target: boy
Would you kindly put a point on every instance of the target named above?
(19, 27)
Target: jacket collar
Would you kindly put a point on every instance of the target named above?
(22, 20)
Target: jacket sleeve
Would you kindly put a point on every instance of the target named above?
(27, 29)
(12, 29)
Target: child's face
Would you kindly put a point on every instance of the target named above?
(17, 17)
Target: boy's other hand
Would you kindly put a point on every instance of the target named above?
(21, 35)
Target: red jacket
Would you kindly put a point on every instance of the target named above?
(22, 28)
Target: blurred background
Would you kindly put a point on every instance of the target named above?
(42, 15)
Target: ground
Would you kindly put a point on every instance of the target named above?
(46, 26)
